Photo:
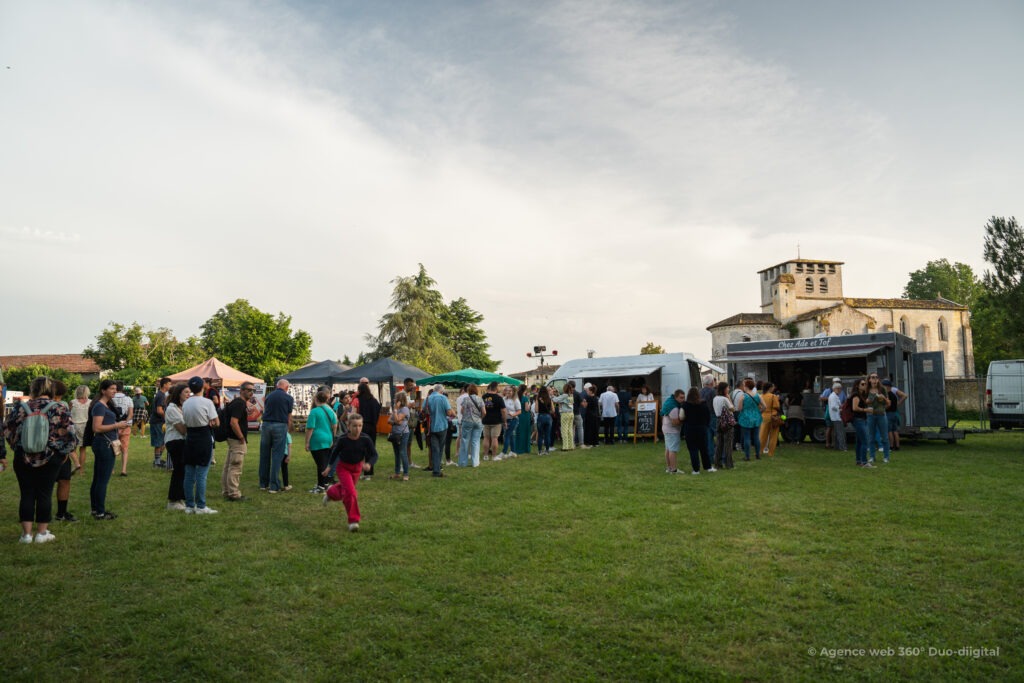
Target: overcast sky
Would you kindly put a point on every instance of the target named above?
(588, 175)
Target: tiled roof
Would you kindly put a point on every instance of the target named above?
(71, 362)
(746, 319)
(811, 315)
(906, 303)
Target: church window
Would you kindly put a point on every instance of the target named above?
(821, 267)
(799, 267)
(823, 286)
(903, 325)
(943, 332)
(809, 285)
(832, 268)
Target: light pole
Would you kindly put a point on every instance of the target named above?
(540, 352)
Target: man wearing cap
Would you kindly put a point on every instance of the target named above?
(277, 422)
(139, 405)
(829, 431)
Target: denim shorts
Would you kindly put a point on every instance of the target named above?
(156, 434)
(672, 442)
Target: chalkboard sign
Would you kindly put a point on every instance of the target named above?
(645, 420)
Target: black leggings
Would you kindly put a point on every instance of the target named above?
(176, 454)
(321, 457)
(697, 444)
(36, 484)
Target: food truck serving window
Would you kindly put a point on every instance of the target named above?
(802, 354)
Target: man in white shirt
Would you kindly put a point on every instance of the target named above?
(609, 402)
(126, 411)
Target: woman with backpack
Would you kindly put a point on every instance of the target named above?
(41, 436)
(748, 406)
(104, 426)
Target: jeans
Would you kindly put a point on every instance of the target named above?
(195, 485)
(510, 435)
(878, 431)
(862, 440)
(273, 438)
(751, 436)
(102, 468)
(712, 430)
(436, 450)
(577, 429)
(796, 430)
(401, 448)
(622, 424)
(544, 441)
(469, 443)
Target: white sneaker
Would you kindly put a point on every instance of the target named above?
(175, 505)
(354, 526)
(712, 470)
(190, 511)
(326, 500)
(205, 511)
(44, 538)
(695, 472)
(496, 458)
(513, 454)
(25, 538)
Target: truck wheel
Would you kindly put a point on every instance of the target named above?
(818, 434)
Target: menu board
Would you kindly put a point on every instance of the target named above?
(645, 421)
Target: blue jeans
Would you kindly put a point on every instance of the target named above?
(195, 485)
(878, 431)
(437, 440)
(402, 454)
(712, 430)
(862, 440)
(544, 441)
(751, 435)
(273, 440)
(622, 423)
(469, 443)
(510, 434)
(102, 468)
(577, 429)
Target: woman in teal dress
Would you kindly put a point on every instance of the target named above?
(525, 430)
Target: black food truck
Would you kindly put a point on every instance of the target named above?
(807, 366)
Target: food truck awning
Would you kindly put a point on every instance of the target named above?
(819, 353)
(621, 371)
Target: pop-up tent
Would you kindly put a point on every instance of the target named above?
(316, 373)
(460, 378)
(381, 371)
(215, 369)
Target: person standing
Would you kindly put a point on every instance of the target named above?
(892, 413)
(105, 427)
(352, 455)
(609, 401)
(513, 408)
(625, 417)
(771, 419)
(79, 418)
(399, 438)
(237, 415)
(140, 405)
(795, 417)
(40, 434)
(878, 426)
(695, 431)
(440, 410)
(125, 412)
(200, 416)
(564, 402)
(724, 414)
(157, 421)
(671, 426)
(174, 441)
(321, 428)
(69, 466)
(415, 429)
(577, 414)
(544, 410)
(591, 410)
(495, 416)
(748, 405)
(835, 415)
(525, 430)
(277, 422)
(471, 426)
(369, 408)
(861, 408)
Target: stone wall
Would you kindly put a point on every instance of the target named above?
(965, 394)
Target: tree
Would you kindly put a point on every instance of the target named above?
(999, 321)
(19, 379)
(133, 348)
(460, 326)
(651, 348)
(422, 331)
(255, 342)
(954, 281)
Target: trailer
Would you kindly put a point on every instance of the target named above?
(808, 365)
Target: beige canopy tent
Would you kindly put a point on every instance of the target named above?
(215, 369)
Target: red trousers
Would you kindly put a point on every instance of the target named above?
(345, 489)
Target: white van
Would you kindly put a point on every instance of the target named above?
(1004, 393)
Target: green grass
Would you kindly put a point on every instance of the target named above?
(584, 565)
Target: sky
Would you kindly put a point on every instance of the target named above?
(587, 175)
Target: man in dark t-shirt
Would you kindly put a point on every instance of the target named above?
(625, 417)
(494, 418)
(277, 422)
(236, 414)
(156, 422)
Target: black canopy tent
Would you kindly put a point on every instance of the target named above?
(316, 373)
(381, 371)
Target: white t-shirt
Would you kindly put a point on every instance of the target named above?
(609, 401)
(198, 411)
(721, 403)
(513, 406)
(667, 425)
(172, 416)
(835, 404)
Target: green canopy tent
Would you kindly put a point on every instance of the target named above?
(459, 378)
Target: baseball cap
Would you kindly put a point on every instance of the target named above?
(836, 380)
(195, 384)
(887, 382)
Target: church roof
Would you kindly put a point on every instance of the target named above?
(811, 315)
(746, 319)
(906, 303)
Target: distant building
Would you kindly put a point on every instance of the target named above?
(804, 298)
(71, 362)
(538, 375)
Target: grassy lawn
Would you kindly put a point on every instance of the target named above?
(583, 565)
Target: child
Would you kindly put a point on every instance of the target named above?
(352, 454)
(285, 486)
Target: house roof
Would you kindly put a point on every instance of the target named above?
(70, 362)
(746, 319)
(811, 315)
(906, 303)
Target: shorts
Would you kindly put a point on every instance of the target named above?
(492, 431)
(66, 470)
(156, 435)
(672, 442)
(894, 421)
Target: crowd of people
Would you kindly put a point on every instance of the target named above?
(50, 438)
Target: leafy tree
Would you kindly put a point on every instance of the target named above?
(19, 379)
(460, 326)
(133, 348)
(651, 348)
(255, 342)
(954, 281)
(422, 331)
(998, 322)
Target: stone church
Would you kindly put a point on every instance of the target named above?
(804, 298)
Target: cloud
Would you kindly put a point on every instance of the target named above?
(36, 235)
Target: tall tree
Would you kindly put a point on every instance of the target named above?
(255, 342)
(999, 321)
(954, 281)
(132, 347)
(460, 326)
(651, 348)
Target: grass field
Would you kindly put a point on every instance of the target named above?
(583, 565)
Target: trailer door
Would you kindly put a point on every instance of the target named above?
(928, 390)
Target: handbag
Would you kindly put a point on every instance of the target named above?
(727, 420)
(115, 446)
